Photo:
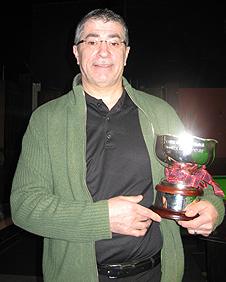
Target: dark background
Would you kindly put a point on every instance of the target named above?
(171, 41)
(174, 45)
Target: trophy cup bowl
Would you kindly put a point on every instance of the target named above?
(188, 153)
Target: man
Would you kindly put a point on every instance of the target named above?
(87, 171)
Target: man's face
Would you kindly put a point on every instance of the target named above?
(101, 64)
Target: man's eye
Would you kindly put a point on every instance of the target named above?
(114, 44)
(91, 42)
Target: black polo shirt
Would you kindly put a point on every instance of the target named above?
(118, 164)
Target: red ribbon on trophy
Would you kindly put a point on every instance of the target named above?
(192, 175)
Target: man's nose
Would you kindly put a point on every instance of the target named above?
(103, 47)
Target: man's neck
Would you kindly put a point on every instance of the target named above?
(109, 95)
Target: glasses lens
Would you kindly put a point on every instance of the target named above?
(113, 43)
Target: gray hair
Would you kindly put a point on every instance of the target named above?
(101, 14)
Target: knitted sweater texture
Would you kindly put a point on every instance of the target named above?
(49, 194)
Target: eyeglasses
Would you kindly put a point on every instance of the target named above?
(112, 44)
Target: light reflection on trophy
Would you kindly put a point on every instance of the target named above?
(184, 159)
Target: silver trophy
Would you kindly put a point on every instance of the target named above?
(184, 159)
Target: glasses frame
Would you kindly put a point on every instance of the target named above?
(99, 42)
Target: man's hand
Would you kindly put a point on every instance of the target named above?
(204, 223)
(128, 217)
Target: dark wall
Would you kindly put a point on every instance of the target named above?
(170, 42)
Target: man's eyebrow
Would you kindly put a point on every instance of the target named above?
(113, 35)
(92, 35)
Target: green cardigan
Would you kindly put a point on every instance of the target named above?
(49, 194)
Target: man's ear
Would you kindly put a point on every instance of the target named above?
(75, 52)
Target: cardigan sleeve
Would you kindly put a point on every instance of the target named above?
(37, 209)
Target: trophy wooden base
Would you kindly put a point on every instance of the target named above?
(171, 214)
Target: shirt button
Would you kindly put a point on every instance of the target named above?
(107, 118)
(108, 136)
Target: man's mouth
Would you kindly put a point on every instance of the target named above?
(104, 65)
